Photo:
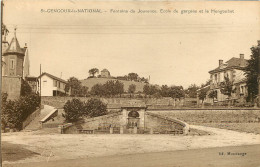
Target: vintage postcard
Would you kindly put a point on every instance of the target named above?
(130, 83)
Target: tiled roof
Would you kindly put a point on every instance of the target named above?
(53, 77)
(232, 63)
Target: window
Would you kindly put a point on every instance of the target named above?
(55, 83)
(216, 77)
(12, 63)
(44, 83)
(59, 85)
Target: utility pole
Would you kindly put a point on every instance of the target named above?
(258, 46)
(40, 85)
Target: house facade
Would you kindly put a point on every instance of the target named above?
(233, 69)
(51, 85)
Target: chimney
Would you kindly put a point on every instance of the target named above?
(258, 42)
(220, 63)
(242, 56)
(25, 45)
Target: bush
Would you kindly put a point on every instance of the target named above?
(73, 110)
(14, 112)
(95, 108)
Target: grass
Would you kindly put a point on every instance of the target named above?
(236, 120)
(240, 127)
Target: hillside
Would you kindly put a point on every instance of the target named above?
(92, 81)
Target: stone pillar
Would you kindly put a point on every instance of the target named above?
(60, 129)
(151, 131)
(186, 129)
(124, 117)
(141, 116)
(198, 100)
(111, 130)
(135, 130)
(121, 130)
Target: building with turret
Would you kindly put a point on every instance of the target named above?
(12, 67)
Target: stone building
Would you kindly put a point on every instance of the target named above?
(233, 69)
(105, 73)
(12, 67)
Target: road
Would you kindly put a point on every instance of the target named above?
(207, 157)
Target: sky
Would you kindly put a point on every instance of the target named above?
(171, 48)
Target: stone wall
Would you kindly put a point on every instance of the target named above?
(31, 117)
(163, 124)
(212, 115)
(148, 122)
(113, 119)
(12, 86)
(114, 103)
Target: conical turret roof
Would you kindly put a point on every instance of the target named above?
(14, 46)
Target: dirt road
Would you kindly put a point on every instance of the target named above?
(209, 157)
(55, 147)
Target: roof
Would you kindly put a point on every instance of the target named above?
(14, 47)
(53, 77)
(232, 63)
(206, 88)
(104, 70)
(243, 80)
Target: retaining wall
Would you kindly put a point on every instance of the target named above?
(31, 117)
(105, 120)
(113, 103)
(212, 115)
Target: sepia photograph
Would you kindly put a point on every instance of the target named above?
(130, 83)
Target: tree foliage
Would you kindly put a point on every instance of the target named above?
(94, 108)
(110, 89)
(74, 86)
(164, 91)
(150, 89)
(202, 94)
(226, 87)
(75, 109)
(14, 112)
(25, 88)
(131, 88)
(176, 92)
(252, 71)
(93, 72)
(132, 76)
(212, 94)
(97, 90)
(192, 91)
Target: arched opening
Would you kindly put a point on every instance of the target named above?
(133, 119)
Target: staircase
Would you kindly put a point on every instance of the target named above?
(35, 124)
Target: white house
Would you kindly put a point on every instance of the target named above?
(51, 85)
